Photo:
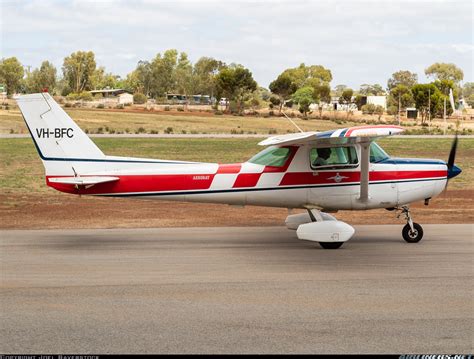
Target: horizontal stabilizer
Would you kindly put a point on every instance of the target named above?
(83, 181)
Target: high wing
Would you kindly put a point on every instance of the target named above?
(363, 135)
(342, 136)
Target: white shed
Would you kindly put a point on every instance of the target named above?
(378, 100)
(125, 98)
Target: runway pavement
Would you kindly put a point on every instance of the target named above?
(235, 290)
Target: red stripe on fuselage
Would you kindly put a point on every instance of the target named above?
(246, 180)
(229, 168)
(144, 183)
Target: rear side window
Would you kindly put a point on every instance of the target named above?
(333, 157)
(271, 156)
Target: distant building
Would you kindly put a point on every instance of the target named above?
(175, 98)
(378, 101)
(412, 113)
(125, 98)
(108, 92)
(3, 92)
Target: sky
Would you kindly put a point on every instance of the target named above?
(359, 41)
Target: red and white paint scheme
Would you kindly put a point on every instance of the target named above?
(321, 172)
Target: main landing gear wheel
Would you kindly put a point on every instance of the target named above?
(331, 245)
(412, 236)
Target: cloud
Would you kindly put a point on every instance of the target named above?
(360, 41)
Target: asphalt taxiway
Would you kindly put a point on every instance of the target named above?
(235, 290)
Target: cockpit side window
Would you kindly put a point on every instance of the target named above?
(272, 156)
(376, 153)
(333, 157)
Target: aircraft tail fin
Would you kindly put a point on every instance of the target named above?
(58, 139)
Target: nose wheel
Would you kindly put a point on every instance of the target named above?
(412, 232)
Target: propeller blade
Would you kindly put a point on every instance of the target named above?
(452, 153)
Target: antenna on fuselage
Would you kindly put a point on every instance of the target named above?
(293, 123)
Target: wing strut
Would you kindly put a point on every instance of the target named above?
(364, 171)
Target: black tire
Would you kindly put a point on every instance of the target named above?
(412, 237)
(331, 245)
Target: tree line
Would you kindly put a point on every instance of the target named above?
(173, 72)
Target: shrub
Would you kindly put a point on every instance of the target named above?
(368, 109)
(141, 130)
(180, 108)
(139, 98)
(272, 131)
(183, 132)
(100, 105)
(120, 106)
(219, 113)
(67, 104)
(167, 108)
(169, 130)
(154, 132)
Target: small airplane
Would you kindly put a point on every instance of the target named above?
(320, 172)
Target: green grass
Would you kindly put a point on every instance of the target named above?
(21, 171)
(97, 121)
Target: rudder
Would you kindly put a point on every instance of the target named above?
(56, 136)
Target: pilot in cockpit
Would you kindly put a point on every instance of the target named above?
(323, 155)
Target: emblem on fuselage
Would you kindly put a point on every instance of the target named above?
(337, 178)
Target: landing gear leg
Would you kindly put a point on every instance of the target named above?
(412, 232)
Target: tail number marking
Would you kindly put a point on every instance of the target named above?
(56, 133)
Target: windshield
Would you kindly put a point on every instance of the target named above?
(376, 153)
(271, 156)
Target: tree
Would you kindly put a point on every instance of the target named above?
(143, 73)
(304, 97)
(400, 97)
(163, 79)
(402, 77)
(346, 99)
(100, 79)
(445, 87)
(371, 90)
(444, 71)
(339, 89)
(308, 75)
(183, 76)
(236, 83)
(132, 83)
(321, 94)
(42, 78)
(428, 100)
(11, 74)
(468, 93)
(78, 69)
(205, 71)
(283, 87)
